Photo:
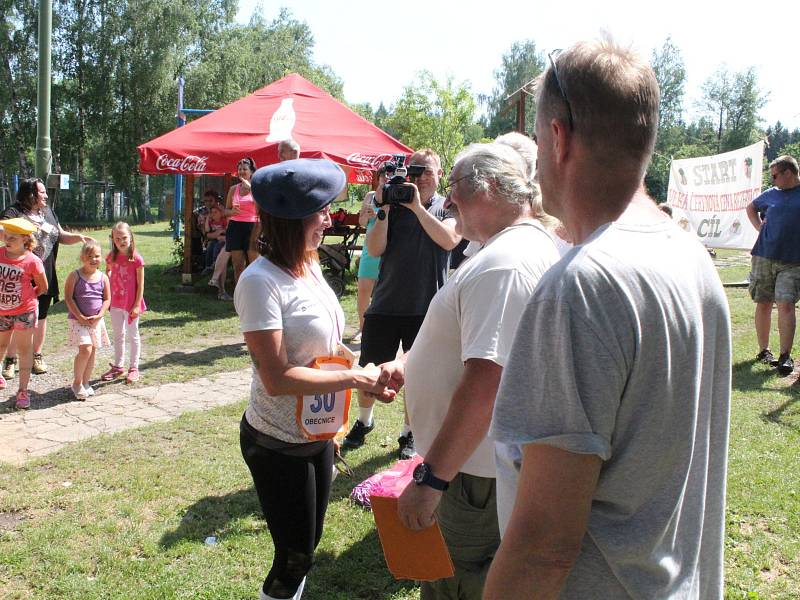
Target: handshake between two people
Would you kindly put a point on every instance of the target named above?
(383, 382)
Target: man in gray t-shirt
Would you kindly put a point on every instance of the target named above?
(611, 421)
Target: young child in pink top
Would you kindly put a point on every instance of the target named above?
(22, 280)
(125, 268)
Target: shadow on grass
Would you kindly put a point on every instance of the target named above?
(60, 395)
(777, 416)
(177, 321)
(211, 515)
(787, 414)
(164, 233)
(751, 375)
(358, 572)
(207, 356)
(54, 397)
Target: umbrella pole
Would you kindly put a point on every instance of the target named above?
(188, 202)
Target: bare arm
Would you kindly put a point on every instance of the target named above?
(443, 233)
(544, 535)
(69, 290)
(65, 237)
(463, 429)
(378, 234)
(229, 210)
(106, 299)
(754, 217)
(268, 352)
(137, 301)
(366, 212)
(40, 281)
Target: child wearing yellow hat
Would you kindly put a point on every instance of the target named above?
(22, 279)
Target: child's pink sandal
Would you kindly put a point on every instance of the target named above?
(112, 373)
(133, 375)
(23, 399)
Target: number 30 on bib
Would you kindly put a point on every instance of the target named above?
(322, 416)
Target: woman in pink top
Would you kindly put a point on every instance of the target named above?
(241, 210)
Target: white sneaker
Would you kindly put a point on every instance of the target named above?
(213, 283)
(89, 391)
(80, 392)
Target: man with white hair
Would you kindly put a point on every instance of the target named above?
(288, 149)
(453, 369)
(611, 420)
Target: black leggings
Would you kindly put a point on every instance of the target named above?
(293, 492)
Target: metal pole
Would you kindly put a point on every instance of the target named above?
(177, 204)
(44, 155)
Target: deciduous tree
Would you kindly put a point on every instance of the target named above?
(439, 115)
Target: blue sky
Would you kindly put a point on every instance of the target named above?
(378, 47)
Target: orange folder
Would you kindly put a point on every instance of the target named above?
(420, 555)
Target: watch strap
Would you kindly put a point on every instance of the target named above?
(431, 480)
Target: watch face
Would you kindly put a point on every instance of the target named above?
(419, 473)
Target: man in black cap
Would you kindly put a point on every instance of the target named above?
(414, 242)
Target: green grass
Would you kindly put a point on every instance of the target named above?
(132, 521)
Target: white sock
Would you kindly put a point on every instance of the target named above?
(406, 429)
(297, 595)
(365, 415)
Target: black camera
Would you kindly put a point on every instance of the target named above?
(396, 190)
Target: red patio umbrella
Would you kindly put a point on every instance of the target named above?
(253, 126)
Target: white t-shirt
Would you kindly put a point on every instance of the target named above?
(474, 315)
(624, 351)
(312, 321)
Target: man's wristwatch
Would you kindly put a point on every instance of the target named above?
(423, 475)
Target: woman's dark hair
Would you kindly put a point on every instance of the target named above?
(27, 193)
(249, 162)
(283, 242)
(213, 194)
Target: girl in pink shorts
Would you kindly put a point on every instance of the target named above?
(22, 280)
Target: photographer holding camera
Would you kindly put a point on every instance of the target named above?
(413, 236)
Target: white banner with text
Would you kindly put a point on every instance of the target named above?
(709, 194)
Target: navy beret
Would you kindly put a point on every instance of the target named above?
(295, 189)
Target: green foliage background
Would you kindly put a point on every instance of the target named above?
(115, 63)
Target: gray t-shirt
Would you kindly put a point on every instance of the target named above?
(624, 351)
(413, 266)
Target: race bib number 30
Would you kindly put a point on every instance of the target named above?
(322, 416)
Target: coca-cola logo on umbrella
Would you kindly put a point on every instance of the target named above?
(362, 176)
(371, 161)
(186, 164)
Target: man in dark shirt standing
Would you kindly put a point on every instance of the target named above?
(775, 265)
(414, 242)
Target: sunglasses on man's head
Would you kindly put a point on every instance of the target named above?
(560, 87)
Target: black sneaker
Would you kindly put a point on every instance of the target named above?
(766, 357)
(355, 439)
(785, 365)
(407, 449)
